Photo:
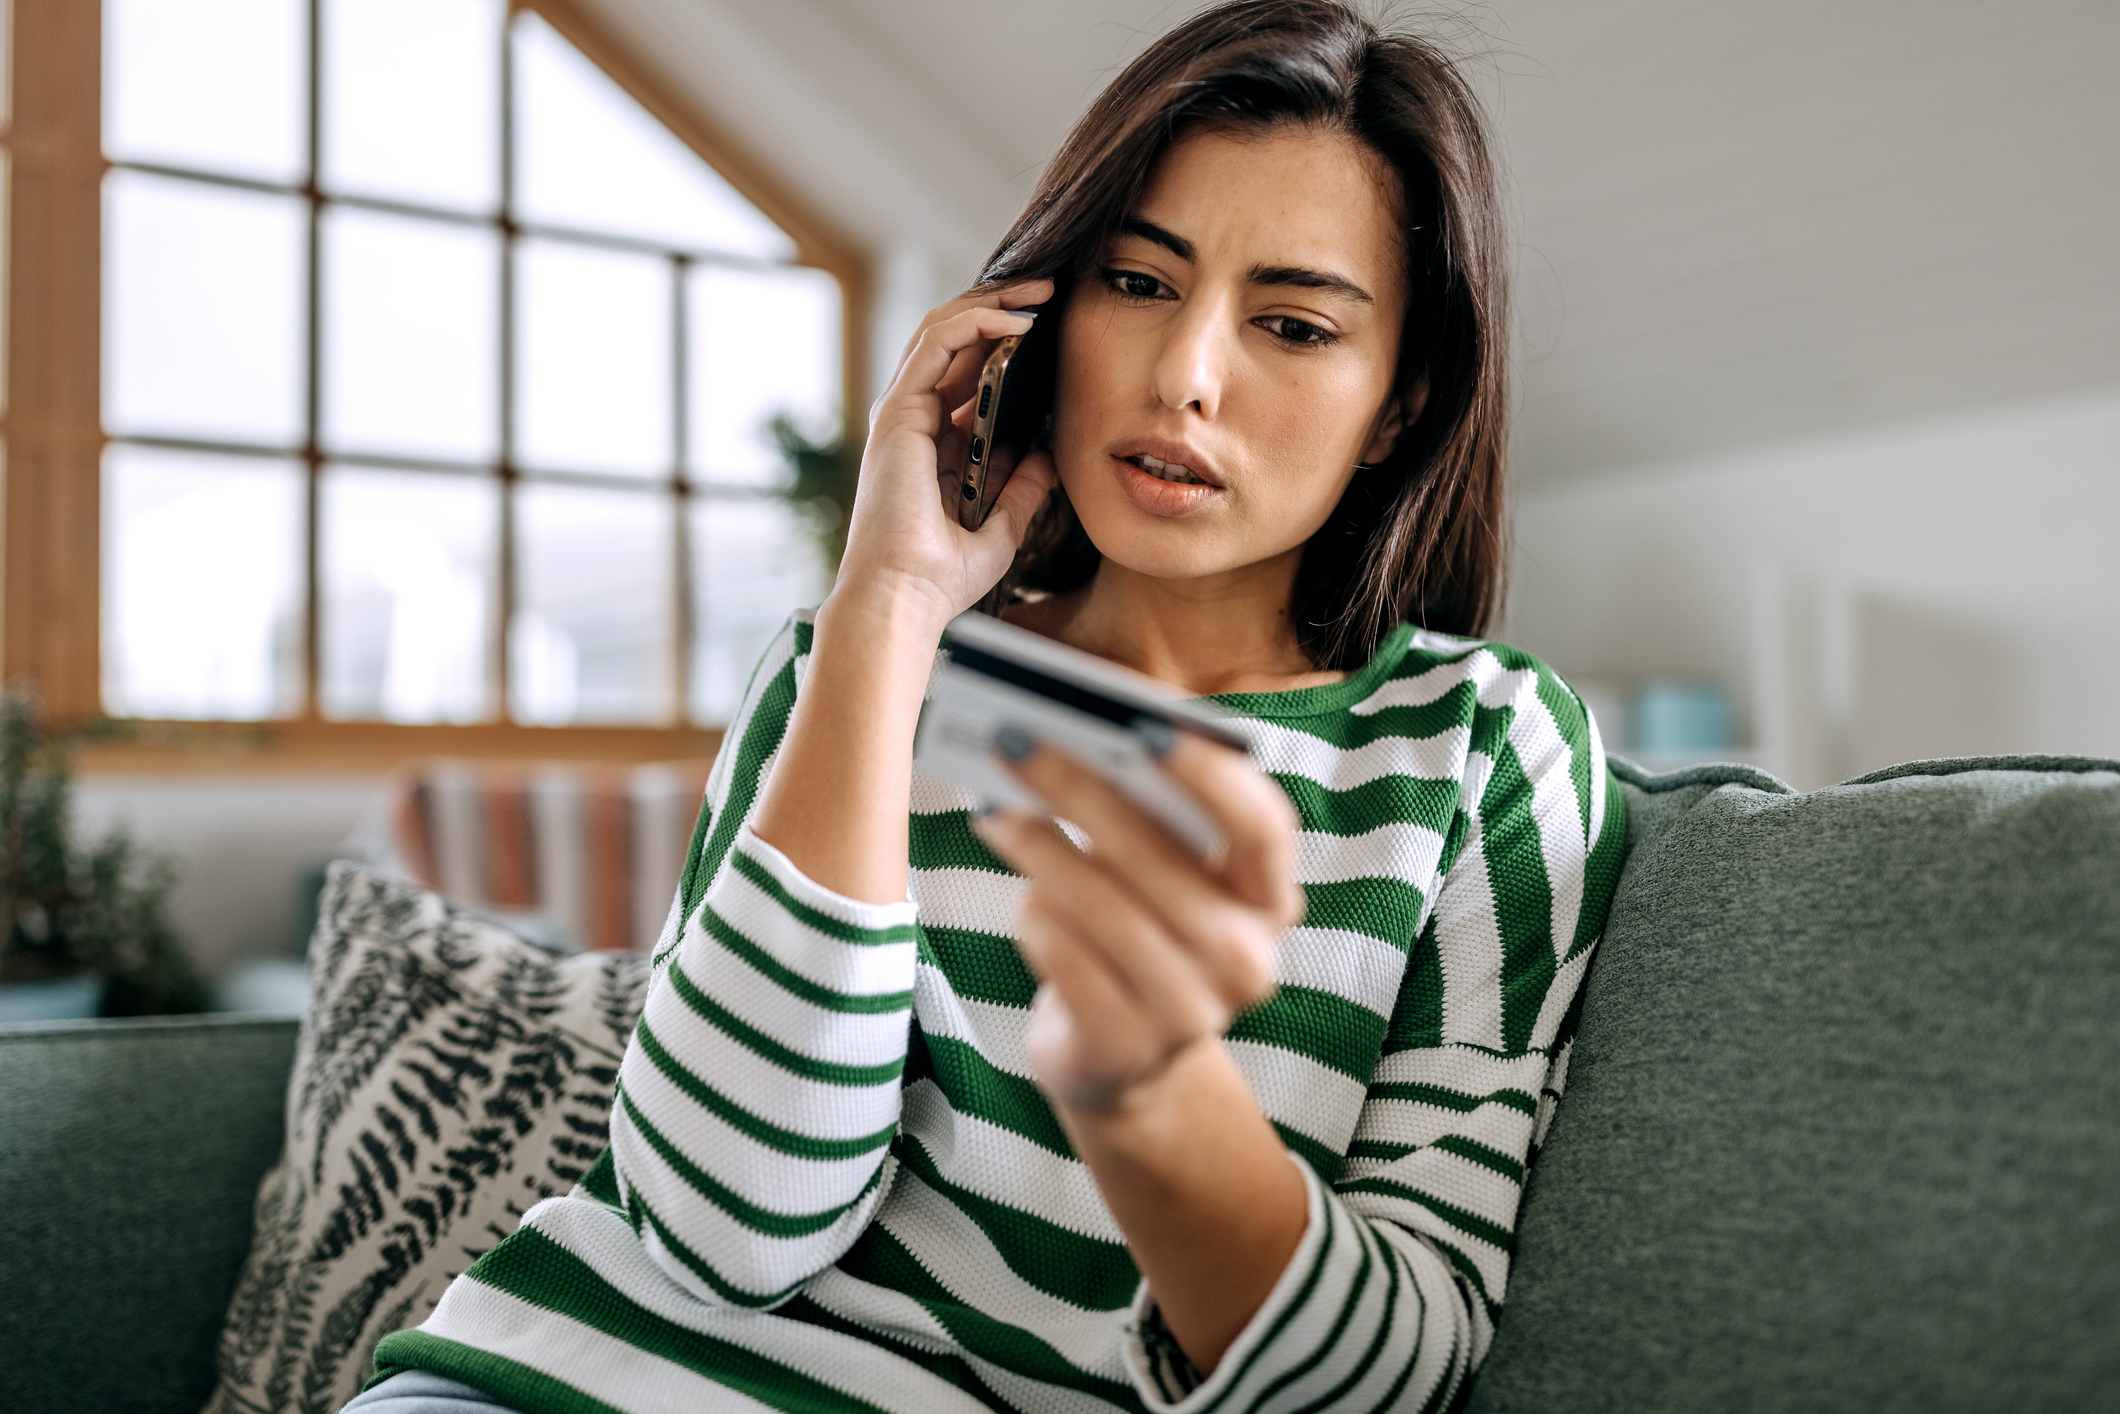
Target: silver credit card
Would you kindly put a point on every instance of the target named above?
(994, 675)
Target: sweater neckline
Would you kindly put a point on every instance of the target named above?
(1329, 698)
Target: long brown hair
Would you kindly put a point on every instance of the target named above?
(1417, 535)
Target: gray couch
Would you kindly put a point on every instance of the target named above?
(1842, 1127)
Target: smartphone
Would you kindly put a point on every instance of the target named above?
(1011, 418)
(994, 674)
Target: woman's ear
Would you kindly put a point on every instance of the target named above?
(1403, 409)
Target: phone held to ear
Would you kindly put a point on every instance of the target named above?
(1011, 418)
(1113, 720)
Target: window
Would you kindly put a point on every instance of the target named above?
(434, 375)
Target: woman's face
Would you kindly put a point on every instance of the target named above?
(1230, 359)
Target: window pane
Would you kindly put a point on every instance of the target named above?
(202, 599)
(412, 99)
(754, 562)
(407, 569)
(592, 634)
(202, 302)
(588, 156)
(762, 343)
(593, 348)
(410, 335)
(207, 83)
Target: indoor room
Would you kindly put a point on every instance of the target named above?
(430, 427)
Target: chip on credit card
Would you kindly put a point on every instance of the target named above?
(1111, 719)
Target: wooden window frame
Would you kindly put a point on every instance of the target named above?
(53, 439)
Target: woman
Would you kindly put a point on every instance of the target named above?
(1040, 1126)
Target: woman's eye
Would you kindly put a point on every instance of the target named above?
(1296, 331)
(1133, 284)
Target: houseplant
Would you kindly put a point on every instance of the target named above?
(95, 915)
(820, 485)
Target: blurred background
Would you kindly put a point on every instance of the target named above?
(390, 388)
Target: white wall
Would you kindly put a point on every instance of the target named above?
(240, 844)
(1943, 587)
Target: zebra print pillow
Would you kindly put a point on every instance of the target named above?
(448, 1076)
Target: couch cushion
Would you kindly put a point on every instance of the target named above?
(119, 1138)
(449, 1076)
(1843, 1118)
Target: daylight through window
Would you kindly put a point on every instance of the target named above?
(436, 378)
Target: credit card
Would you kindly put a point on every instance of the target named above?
(995, 675)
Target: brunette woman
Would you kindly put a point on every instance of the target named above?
(931, 1111)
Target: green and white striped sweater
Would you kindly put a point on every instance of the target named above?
(832, 1185)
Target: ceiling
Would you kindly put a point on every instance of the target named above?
(1738, 223)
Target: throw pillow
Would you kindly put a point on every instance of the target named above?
(448, 1076)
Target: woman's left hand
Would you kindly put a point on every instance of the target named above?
(1141, 948)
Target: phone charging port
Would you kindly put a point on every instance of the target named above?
(978, 450)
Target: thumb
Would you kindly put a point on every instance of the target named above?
(1049, 1038)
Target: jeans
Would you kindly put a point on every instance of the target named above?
(417, 1392)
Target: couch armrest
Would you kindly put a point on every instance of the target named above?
(1843, 1112)
(131, 1157)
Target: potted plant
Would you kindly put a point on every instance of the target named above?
(86, 931)
(820, 485)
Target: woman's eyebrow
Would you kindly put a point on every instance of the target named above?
(1149, 231)
(1298, 276)
(1307, 279)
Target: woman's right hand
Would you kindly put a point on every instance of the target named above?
(835, 802)
(904, 538)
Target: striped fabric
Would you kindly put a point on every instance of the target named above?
(594, 851)
(832, 1184)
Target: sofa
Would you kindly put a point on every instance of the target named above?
(1841, 1132)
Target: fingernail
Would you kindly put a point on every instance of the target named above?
(1026, 313)
(984, 810)
(1014, 742)
(1157, 735)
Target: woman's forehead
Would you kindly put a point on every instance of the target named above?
(1288, 196)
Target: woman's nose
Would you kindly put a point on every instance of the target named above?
(1193, 363)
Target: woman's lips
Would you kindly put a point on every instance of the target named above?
(1159, 497)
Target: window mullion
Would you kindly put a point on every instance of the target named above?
(313, 388)
(680, 491)
(500, 707)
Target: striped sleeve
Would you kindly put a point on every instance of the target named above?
(758, 1097)
(1390, 1300)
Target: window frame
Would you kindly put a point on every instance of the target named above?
(52, 436)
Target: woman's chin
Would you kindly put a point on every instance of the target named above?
(1158, 549)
